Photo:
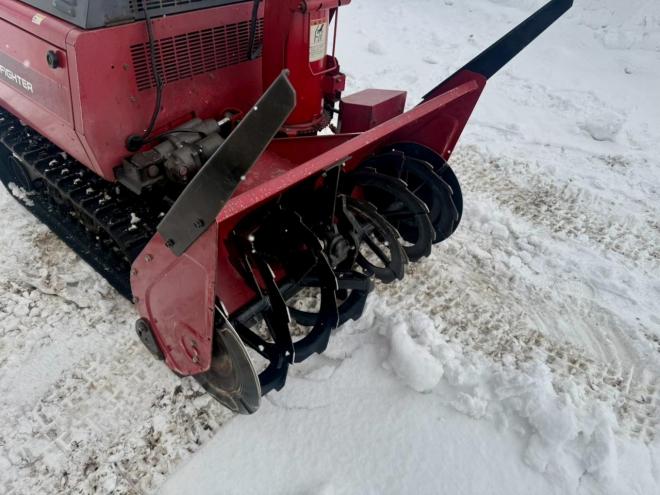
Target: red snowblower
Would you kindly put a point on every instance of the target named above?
(200, 156)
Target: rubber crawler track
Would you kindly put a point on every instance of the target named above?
(106, 225)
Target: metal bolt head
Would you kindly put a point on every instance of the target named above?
(153, 171)
(141, 326)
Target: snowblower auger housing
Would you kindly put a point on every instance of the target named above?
(181, 156)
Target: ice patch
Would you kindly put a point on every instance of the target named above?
(321, 374)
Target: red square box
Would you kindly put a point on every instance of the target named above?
(369, 108)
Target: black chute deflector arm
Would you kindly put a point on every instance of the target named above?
(491, 60)
(200, 203)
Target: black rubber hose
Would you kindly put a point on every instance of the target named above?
(134, 143)
(252, 53)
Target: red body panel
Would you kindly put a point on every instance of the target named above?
(44, 102)
(298, 36)
(109, 106)
(369, 108)
(91, 104)
(177, 296)
(436, 123)
(50, 29)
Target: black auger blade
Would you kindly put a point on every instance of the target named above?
(199, 204)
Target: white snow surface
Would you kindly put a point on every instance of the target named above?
(522, 357)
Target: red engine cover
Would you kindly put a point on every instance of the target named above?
(103, 91)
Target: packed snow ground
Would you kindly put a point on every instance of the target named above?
(522, 357)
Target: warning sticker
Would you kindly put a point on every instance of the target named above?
(318, 41)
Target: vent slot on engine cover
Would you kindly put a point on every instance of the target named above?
(191, 54)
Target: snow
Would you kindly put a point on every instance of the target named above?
(341, 436)
(411, 361)
(487, 428)
(20, 194)
(522, 357)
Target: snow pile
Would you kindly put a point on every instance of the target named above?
(411, 357)
(564, 441)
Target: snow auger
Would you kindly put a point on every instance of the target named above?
(201, 157)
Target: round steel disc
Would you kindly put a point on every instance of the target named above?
(231, 379)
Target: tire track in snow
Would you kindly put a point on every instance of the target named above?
(603, 227)
(567, 209)
(86, 408)
(483, 317)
